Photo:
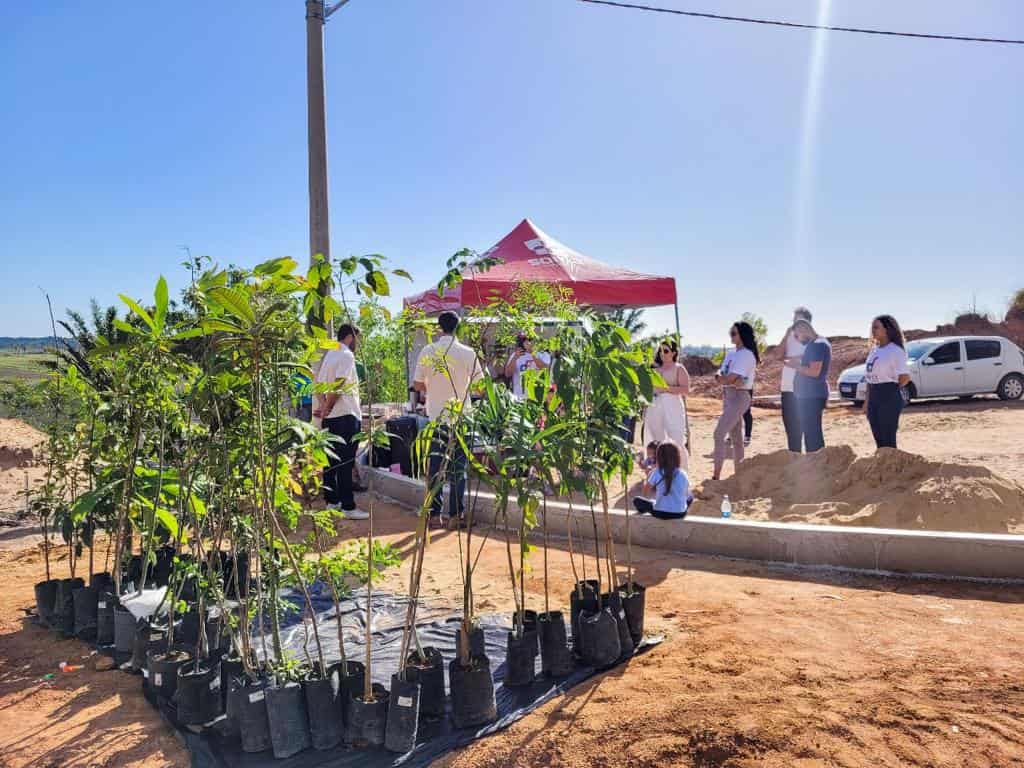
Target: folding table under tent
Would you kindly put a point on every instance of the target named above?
(527, 254)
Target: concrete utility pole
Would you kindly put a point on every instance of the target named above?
(317, 13)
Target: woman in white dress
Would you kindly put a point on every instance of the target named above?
(666, 416)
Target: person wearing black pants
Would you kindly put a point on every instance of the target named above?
(748, 421)
(338, 487)
(887, 373)
(810, 385)
(455, 473)
(791, 421)
(342, 416)
(643, 506)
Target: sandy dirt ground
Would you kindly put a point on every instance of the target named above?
(983, 433)
(20, 461)
(760, 667)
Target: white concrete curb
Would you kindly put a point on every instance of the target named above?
(986, 556)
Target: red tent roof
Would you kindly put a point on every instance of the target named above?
(528, 254)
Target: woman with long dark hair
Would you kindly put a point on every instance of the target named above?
(737, 378)
(666, 417)
(667, 490)
(886, 375)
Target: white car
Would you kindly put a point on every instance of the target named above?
(952, 366)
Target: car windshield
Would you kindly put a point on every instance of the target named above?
(917, 348)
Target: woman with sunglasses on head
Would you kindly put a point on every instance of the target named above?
(737, 378)
(886, 375)
(666, 417)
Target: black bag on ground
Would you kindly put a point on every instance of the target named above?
(46, 600)
(325, 722)
(102, 582)
(86, 603)
(248, 705)
(634, 598)
(105, 606)
(430, 675)
(64, 606)
(289, 720)
(163, 670)
(472, 692)
(367, 720)
(520, 659)
(403, 715)
(198, 695)
(578, 603)
(556, 659)
(613, 601)
(599, 635)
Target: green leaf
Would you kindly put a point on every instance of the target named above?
(161, 299)
(84, 505)
(280, 266)
(124, 327)
(209, 326)
(379, 282)
(135, 307)
(235, 302)
(401, 273)
(168, 521)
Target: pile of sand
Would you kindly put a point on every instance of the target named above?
(21, 454)
(891, 489)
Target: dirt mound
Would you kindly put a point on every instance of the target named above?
(20, 444)
(699, 366)
(891, 489)
(21, 453)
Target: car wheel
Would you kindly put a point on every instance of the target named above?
(907, 393)
(1011, 387)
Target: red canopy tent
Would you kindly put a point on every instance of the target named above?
(528, 254)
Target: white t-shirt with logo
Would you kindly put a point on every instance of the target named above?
(524, 362)
(792, 348)
(448, 368)
(740, 362)
(886, 364)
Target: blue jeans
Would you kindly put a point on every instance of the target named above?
(455, 473)
(810, 410)
(885, 404)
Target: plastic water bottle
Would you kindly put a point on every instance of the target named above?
(726, 507)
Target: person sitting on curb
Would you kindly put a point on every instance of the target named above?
(669, 486)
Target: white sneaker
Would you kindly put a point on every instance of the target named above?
(355, 514)
(335, 505)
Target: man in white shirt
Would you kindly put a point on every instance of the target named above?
(792, 352)
(522, 360)
(446, 371)
(342, 417)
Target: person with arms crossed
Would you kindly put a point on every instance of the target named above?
(522, 359)
(342, 416)
(792, 352)
(446, 371)
(810, 384)
(887, 373)
(737, 378)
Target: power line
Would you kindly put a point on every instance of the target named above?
(776, 23)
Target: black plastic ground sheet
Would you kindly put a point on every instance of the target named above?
(211, 749)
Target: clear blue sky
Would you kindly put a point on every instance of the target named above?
(671, 145)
